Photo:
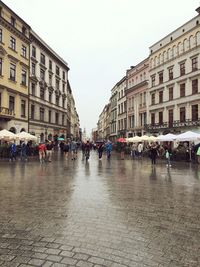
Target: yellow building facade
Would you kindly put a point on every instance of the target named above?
(14, 71)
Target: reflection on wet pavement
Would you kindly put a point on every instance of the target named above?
(99, 213)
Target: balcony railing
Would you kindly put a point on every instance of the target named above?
(174, 124)
(6, 113)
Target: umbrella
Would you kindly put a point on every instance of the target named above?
(7, 135)
(61, 139)
(26, 136)
(188, 136)
(121, 140)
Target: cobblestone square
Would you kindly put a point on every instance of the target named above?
(117, 213)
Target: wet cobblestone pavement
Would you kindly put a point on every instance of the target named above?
(115, 213)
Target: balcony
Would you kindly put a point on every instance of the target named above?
(174, 124)
(6, 113)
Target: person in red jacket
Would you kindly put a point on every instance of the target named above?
(42, 152)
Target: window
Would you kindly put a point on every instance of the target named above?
(42, 59)
(23, 77)
(50, 64)
(182, 114)
(56, 118)
(50, 97)
(152, 118)
(1, 36)
(63, 75)
(12, 21)
(12, 72)
(160, 115)
(171, 117)
(195, 86)
(182, 69)
(195, 114)
(42, 114)
(182, 90)
(57, 71)
(34, 52)
(57, 84)
(63, 119)
(33, 69)
(160, 77)
(42, 93)
(63, 102)
(194, 64)
(160, 96)
(23, 30)
(0, 66)
(23, 108)
(49, 116)
(32, 112)
(153, 99)
(50, 79)
(11, 103)
(42, 74)
(33, 88)
(63, 87)
(171, 74)
(153, 80)
(57, 100)
(171, 93)
(23, 50)
(12, 43)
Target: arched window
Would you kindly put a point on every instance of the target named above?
(178, 48)
(185, 46)
(191, 42)
(41, 137)
(198, 38)
(164, 56)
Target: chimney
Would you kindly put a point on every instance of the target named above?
(198, 10)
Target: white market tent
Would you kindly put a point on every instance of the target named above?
(188, 136)
(167, 137)
(7, 135)
(26, 136)
(134, 139)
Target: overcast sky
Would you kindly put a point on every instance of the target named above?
(101, 39)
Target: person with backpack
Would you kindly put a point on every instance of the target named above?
(167, 156)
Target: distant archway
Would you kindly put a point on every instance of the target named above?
(22, 130)
(13, 130)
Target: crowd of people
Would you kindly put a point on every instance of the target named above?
(69, 149)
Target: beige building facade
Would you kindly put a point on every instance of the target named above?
(174, 86)
(14, 70)
(136, 94)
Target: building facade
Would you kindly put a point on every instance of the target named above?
(113, 113)
(121, 108)
(136, 94)
(174, 87)
(48, 91)
(14, 70)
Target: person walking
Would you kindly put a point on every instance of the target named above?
(100, 150)
(73, 150)
(23, 152)
(134, 150)
(42, 152)
(167, 156)
(108, 149)
(66, 149)
(140, 149)
(153, 154)
(49, 150)
(13, 151)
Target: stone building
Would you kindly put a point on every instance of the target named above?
(136, 94)
(48, 91)
(14, 70)
(174, 86)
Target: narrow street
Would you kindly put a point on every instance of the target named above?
(113, 213)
